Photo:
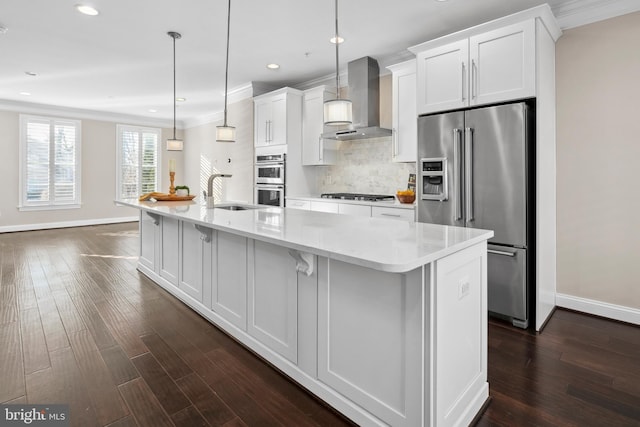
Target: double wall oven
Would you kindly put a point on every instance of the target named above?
(270, 179)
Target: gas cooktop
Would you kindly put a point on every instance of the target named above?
(357, 196)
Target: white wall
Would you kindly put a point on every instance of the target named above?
(203, 155)
(598, 147)
(98, 154)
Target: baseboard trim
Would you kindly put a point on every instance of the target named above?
(599, 308)
(66, 224)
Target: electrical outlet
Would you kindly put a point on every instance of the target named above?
(329, 179)
(463, 288)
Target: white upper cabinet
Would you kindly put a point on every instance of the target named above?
(315, 150)
(494, 66)
(405, 131)
(443, 77)
(278, 118)
(503, 64)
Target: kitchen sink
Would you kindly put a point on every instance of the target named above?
(237, 207)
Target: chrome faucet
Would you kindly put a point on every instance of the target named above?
(209, 194)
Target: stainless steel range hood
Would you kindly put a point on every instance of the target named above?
(364, 92)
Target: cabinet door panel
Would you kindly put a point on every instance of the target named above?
(229, 278)
(503, 64)
(273, 299)
(278, 125)
(170, 254)
(191, 271)
(405, 120)
(369, 335)
(262, 123)
(443, 75)
(149, 240)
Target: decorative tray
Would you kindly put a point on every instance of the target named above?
(163, 197)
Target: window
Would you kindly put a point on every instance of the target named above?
(49, 163)
(137, 161)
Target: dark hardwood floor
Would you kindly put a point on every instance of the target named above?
(79, 325)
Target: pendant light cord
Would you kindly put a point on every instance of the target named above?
(337, 56)
(226, 72)
(174, 86)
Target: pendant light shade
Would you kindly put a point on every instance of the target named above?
(337, 111)
(226, 133)
(174, 144)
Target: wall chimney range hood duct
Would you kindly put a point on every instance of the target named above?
(364, 92)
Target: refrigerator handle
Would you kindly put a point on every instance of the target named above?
(468, 173)
(457, 173)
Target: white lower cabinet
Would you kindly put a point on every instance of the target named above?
(369, 339)
(196, 253)
(357, 210)
(298, 204)
(273, 299)
(393, 213)
(170, 250)
(149, 227)
(324, 206)
(229, 278)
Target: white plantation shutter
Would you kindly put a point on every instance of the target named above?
(137, 161)
(50, 162)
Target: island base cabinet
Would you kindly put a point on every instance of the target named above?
(170, 250)
(369, 339)
(459, 337)
(229, 278)
(273, 299)
(196, 253)
(149, 227)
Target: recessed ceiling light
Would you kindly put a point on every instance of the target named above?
(181, 99)
(31, 73)
(25, 93)
(333, 40)
(273, 66)
(441, 1)
(151, 110)
(87, 10)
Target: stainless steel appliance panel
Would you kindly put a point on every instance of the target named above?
(495, 139)
(436, 136)
(272, 195)
(507, 283)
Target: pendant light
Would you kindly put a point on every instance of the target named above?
(174, 144)
(226, 133)
(337, 111)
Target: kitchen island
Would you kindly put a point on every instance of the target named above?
(384, 320)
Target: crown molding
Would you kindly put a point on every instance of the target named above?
(582, 12)
(78, 113)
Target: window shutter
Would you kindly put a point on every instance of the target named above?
(37, 161)
(138, 161)
(49, 161)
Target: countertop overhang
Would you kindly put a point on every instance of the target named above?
(378, 243)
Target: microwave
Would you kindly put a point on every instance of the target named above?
(270, 169)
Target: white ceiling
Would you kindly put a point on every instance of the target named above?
(121, 60)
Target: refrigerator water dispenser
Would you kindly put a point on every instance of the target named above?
(433, 173)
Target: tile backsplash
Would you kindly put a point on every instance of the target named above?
(364, 166)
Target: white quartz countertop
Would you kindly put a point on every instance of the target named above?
(382, 203)
(378, 243)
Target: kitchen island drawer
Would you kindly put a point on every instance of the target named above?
(393, 213)
(298, 204)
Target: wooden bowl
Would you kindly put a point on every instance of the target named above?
(406, 199)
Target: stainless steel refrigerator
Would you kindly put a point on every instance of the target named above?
(474, 168)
